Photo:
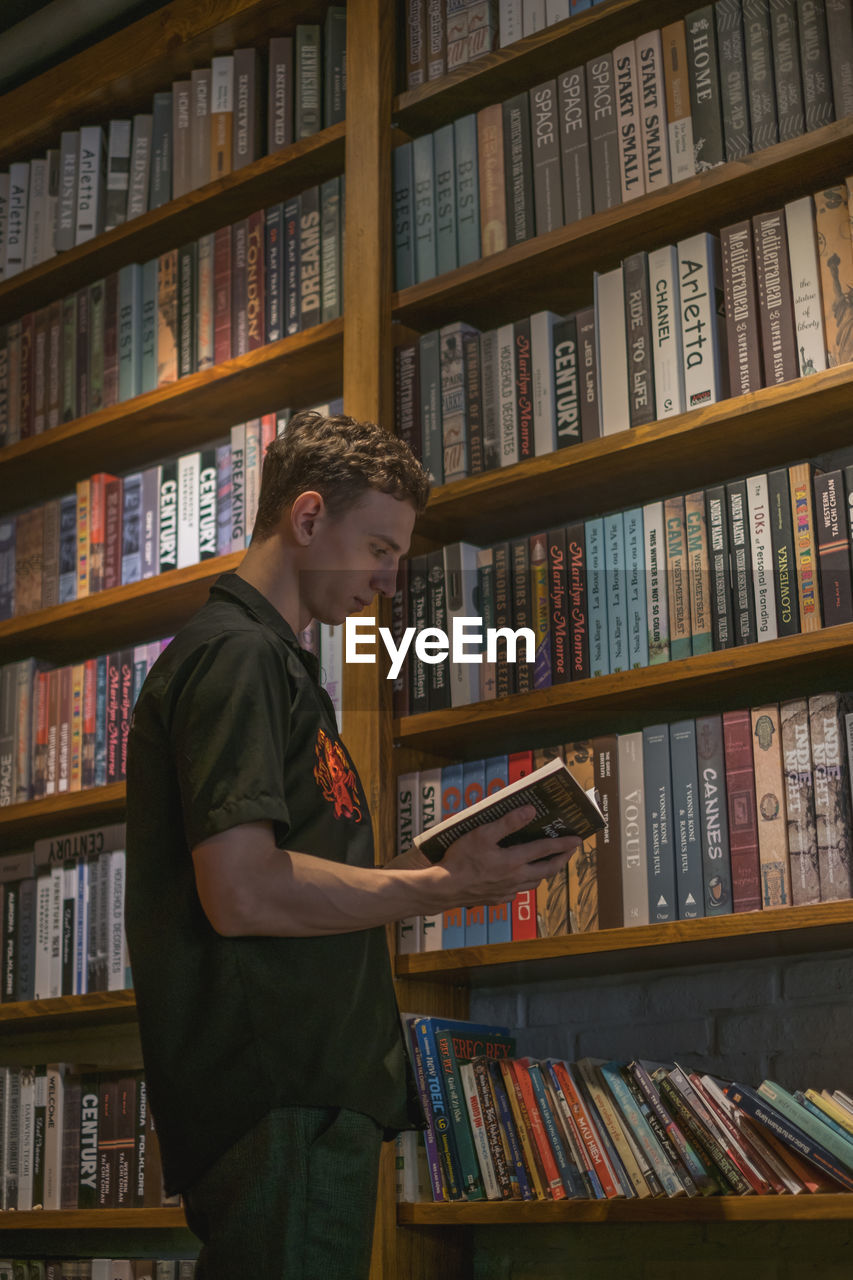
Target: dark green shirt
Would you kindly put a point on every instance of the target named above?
(232, 726)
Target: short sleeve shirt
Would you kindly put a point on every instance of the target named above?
(232, 726)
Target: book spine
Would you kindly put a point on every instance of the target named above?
(603, 133)
(660, 857)
(743, 600)
(742, 330)
(466, 188)
(716, 858)
(255, 281)
(759, 74)
(631, 177)
(246, 140)
(611, 346)
(310, 262)
(705, 98)
(182, 94)
(799, 801)
(655, 143)
(331, 226)
(815, 64)
(832, 533)
(575, 145)
(588, 365)
(801, 479)
(577, 602)
(758, 507)
(790, 107)
(831, 795)
(839, 26)
(280, 102)
(221, 115)
(641, 385)
(805, 285)
(678, 114)
(743, 831)
(443, 201)
(547, 178)
(678, 583)
(561, 418)
(733, 78)
(490, 150)
(770, 807)
(775, 298)
(718, 567)
(698, 571)
(782, 541)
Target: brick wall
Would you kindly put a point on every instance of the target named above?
(789, 1019)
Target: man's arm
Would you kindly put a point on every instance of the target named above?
(250, 887)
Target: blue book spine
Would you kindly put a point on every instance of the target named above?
(7, 568)
(424, 188)
(617, 604)
(101, 723)
(569, 1175)
(150, 318)
(273, 227)
(441, 1116)
(129, 331)
(507, 1120)
(686, 820)
(290, 300)
(467, 186)
(659, 855)
(68, 548)
(588, 1171)
(131, 529)
(635, 588)
(223, 499)
(404, 216)
(755, 1105)
(599, 655)
(446, 254)
(476, 927)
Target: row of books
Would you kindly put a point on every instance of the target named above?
(96, 1269)
(63, 917)
(436, 37)
(64, 729)
(113, 530)
(744, 811)
(218, 120)
(501, 1127)
(677, 328)
(654, 111)
(737, 563)
(77, 1140)
(270, 275)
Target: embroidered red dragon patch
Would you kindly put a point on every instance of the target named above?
(336, 778)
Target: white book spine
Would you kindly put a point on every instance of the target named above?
(666, 332)
(657, 599)
(410, 933)
(532, 16)
(506, 395)
(69, 892)
(4, 218)
(54, 1114)
(222, 85)
(635, 887)
(115, 924)
(628, 112)
(510, 21)
(81, 930)
(253, 473)
(556, 11)
(702, 338)
(653, 130)
(16, 219)
(57, 886)
(460, 589)
(332, 664)
(805, 285)
(762, 557)
(542, 361)
(430, 814)
(25, 1138)
(41, 989)
(238, 487)
(189, 467)
(66, 208)
(682, 162)
(612, 350)
(478, 1130)
(90, 184)
(36, 214)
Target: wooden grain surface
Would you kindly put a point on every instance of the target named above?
(699, 1209)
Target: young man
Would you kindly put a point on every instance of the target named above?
(272, 1044)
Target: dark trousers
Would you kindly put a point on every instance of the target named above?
(293, 1199)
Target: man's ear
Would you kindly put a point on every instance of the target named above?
(305, 513)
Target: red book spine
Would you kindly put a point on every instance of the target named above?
(111, 340)
(833, 548)
(222, 295)
(524, 903)
(97, 530)
(576, 591)
(743, 826)
(112, 533)
(40, 734)
(267, 435)
(27, 374)
(590, 1138)
(113, 717)
(239, 288)
(540, 1137)
(255, 279)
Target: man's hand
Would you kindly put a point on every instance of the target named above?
(480, 871)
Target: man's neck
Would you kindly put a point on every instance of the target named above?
(266, 568)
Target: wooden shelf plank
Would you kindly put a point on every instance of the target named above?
(556, 270)
(706, 1209)
(183, 415)
(774, 669)
(270, 179)
(502, 72)
(78, 809)
(703, 446)
(120, 74)
(68, 1011)
(93, 1219)
(748, 935)
(109, 620)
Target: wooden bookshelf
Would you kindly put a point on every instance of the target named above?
(21, 823)
(177, 417)
(68, 1012)
(266, 181)
(93, 1219)
(826, 926)
(628, 700)
(704, 446)
(556, 270)
(122, 616)
(802, 1208)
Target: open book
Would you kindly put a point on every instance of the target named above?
(563, 808)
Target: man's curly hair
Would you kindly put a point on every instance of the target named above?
(339, 458)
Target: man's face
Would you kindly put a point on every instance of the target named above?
(354, 558)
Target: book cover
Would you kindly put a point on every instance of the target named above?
(836, 271)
